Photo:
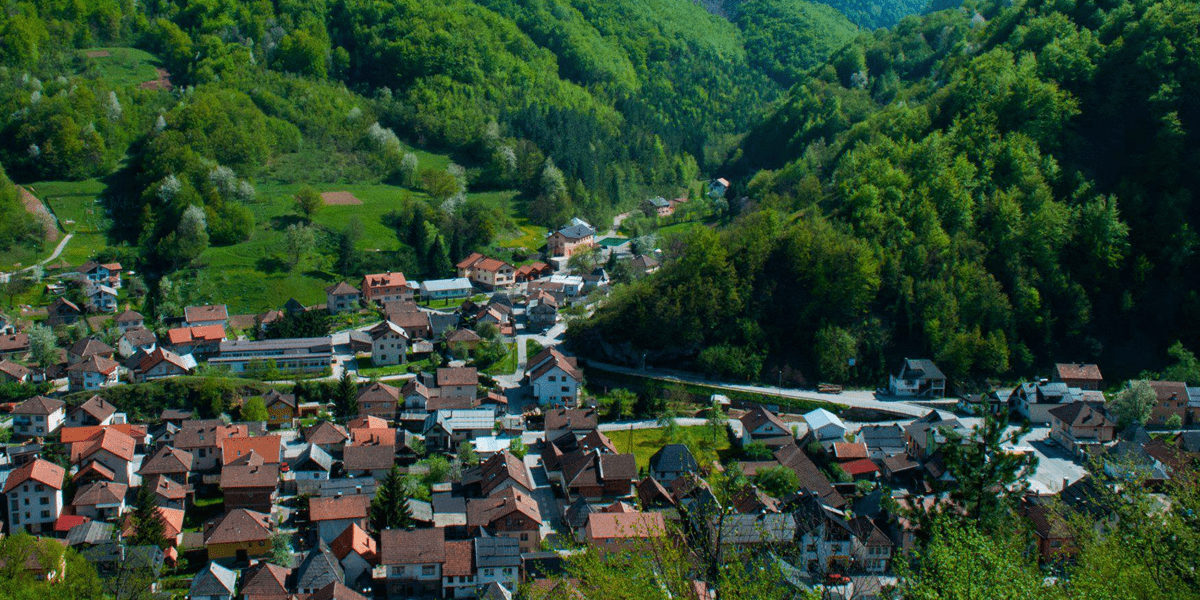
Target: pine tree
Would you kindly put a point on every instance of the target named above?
(389, 509)
(346, 396)
(148, 527)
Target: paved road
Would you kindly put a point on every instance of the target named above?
(854, 398)
(62, 244)
(548, 505)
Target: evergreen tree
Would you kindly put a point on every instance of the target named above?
(148, 527)
(345, 397)
(389, 508)
(987, 479)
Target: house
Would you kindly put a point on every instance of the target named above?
(642, 263)
(599, 476)
(250, 483)
(11, 372)
(823, 536)
(508, 513)
(170, 495)
(167, 462)
(336, 591)
(62, 312)
(657, 207)
(414, 321)
(281, 408)
(612, 532)
(201, 341)
(202, 316)
(318, 569)
(762, 425)
(882, 441)
(358, 554)
(498, 473)
(1170, 399)
(160, 363)
(389, 344)
(373, 461)
(94, 411)
(110, 448)
(718, 187)
(342, 297)
(458, 572)
(290, 355)
(458, 382)
(14, 344)
(238, 534)
(327, 436)
(266, 581)
(672, 461)
(446, 289)
(333, 515)
(1081, 426)
(94, 273)
(447, 429)
(214, 582)
(579, 421)
(918, 377)
(236, 447)
(100, 500)
(1085, 376)
(7, 325)
(756, 530)
(1034, 400)
(872, 548)
(554, 378)
(567, 240)
(413, 560)
(811, 478)
(825, 425)
(34, 495)
(382, 288)
(1052, 531)
(102, 298)
(925, 435)
(497, 562)
(537, 270)
(129, 319)
(38, 416)
(87, 348)
(201, 438)
(462, 341)
(136, 340)
(312, 466)
(541, 312)
(379, 400)
(488, 273)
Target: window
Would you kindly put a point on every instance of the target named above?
(524, 537)
(428, 570)
(566, 389)
(45, 514)
(27, 502)
(508, 570)
(39, 488)
(551, 378)
(489, 572)
(45, 501)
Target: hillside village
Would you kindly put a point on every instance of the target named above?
(391, 459)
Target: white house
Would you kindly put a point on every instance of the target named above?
(214, 582)
(102, 298)
(825, 425)
(443, 289)
(34, 494)
(130, 319)
(94, 273)
(918, 377)
(135, 340)
(111, 449)
(92, 374)
(554, 379)
(413, 559)
(200, 316)
(389, 344)
(38, 416)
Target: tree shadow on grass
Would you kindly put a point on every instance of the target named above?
(271, 265)
(282, 222)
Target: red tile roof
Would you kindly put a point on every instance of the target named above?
(1066, 371)
(238, 525)
(212, 312)
(110, 439)
(862, 466)
(187, 335)
(460, 559)
(71, 435)
(849, 450)
(483, 512)
(615, 525)
(382, 280)
(335, 508)
(266, 446)
(38, 470)
(355, 539)
(413, 546)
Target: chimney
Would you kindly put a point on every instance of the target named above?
(1066, 483)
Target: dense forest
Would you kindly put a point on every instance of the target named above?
(994, 187)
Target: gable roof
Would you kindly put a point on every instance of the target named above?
(129, 316)
(849, 450)
(241, 476)
(615, 525)
(386, 327)
(319, 568)
(1084, 371)
(575, 232)
(312, 458)
(325, 433)
(237, 525)
(269, 447)
(921, 368)
(100, 492)
(550, 358)
(90, 347)
(369, 458)
(140, 336)
(460, 559)
(336, 591)
(485, 511)
(572, 418)
(413, 546)
(650, 491)
(459, 376)
(811, 478)
(355, 506)
(820, 418)
(342, 289)
(265, 580)
(95, 364)
(462, 336)
(98, 408)
(213, 580)
(39, 406)
(276, 397)
(355, 539)
(166, 461)
(203, 333)
(39, 471)
(672, 458)
(1081, 414)
(389, 279)
(378, 392)
(759, 416)
(211, 312)
(501, 467)
(497, 551)
(110, 439)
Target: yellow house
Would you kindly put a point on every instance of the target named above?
(238, 534)
(281, 408)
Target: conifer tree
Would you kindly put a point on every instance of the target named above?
(389, 509)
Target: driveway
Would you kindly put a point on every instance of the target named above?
(548, 505)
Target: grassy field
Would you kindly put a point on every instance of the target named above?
(645, 442)
(505, 366)
(367, 369)
(74, 203)
(124, 66)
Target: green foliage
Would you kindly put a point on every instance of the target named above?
(1185, 368)
(517, 448)
(281, 549)
(79, 578)
(757, 451)
(1133, 404)
(777, 481)
(345, 396)
(308, 202)
(254, 410)
(43, 345)
(17, 226)
(310, 323)
(962, 561)
(987, 480)
(148, 526)
(875, 14)
(786, 38)
(389, 508)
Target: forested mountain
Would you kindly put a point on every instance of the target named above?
(585, 106)
(876, 14)
(994, 187)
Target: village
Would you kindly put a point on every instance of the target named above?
(422, 474)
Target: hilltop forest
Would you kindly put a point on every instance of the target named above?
(995, 187)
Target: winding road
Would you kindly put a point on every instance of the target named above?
(62, 244)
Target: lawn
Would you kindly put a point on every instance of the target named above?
(646, 442)
(75, 205)
(367, 369)
(123, 66)
(453, 302)
(507, 365)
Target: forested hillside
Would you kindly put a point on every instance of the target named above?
(994, 187)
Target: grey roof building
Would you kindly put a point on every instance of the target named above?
(214, 581)
(318, 569)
